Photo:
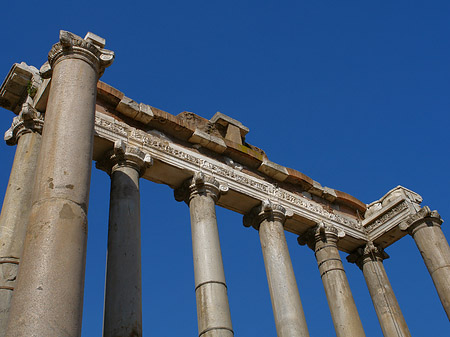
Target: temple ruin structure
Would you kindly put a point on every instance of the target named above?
(66, 118)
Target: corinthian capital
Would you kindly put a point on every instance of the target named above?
(266, 211)
(89, 49)
(28, 120)
(200, 184)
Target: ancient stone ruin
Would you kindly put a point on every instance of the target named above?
(66, 118)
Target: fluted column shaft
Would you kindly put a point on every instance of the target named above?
(286, 304)
(425, 228)
(370, 260)
(323, 240)
(123, 294)
(48, 299)
(213, 312)
(26, 133)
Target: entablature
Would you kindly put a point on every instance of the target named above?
(185, 144)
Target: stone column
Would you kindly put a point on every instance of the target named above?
(425, 228)
(25, 131)
(213, 312)
(48, 299)
(269, 219)
(370, 260)
(323, 240)
(123, 295)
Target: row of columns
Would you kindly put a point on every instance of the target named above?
(48, 292)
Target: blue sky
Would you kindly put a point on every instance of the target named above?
(355, 94)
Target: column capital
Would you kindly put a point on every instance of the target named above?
(367, 253)
(200, 184)
(28, 120)
(90, 49)
(125, 155)
(267, 210)
(423, 218)
(321, 232)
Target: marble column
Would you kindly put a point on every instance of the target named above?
(48, 298)
(323, 240)
(213, 312)
(425, 228)
(268, 219)
(370, 260)
(123, 294)
(25, 132)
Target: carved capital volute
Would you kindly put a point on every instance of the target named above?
(266, 211)
(200, 184)
(28, 120)
(321, 232)
(367, 253)
(90, 49)
(423, 218)
(125, 155)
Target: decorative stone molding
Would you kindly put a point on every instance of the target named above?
(200, 184)
(384, 215)
(90, 49)
(424, 217)
(125, 155)
(28, 120)
(370, 252)
(21, 83)
(266, 211)
(168, 152)
(322, 232)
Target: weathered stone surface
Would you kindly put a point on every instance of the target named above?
(370, 260)
(209, 141)
(123, 294)
(213, 313)
(274, 170)
(425, 228)
(21, 81)
(269, 218)
(323, 240)
(49, 293)
(14, 216)
(234, 130)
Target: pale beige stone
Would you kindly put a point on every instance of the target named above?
(286, 304)
(49, 294)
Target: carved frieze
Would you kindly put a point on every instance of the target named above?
(171, 153)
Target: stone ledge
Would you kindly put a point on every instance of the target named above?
(109, 94)
(273, 170)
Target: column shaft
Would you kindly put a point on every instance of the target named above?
(14, 218)
(48, 300)
(123, 299)
(287, 307)
(391, 319)
(323, 240)
(435, 251)
(213, 312)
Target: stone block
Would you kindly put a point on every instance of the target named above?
(208, 141)
(128, 107)
(274, 170)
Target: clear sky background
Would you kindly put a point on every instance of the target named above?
(355, 94)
